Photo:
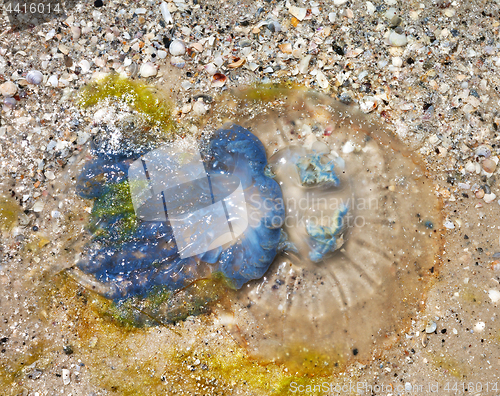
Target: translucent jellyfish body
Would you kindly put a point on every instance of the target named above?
(360, 238)
(159, 215)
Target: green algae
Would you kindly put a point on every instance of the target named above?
(162, 306)
(115, 201)
(9, 211)
(268, 92)
(138, 95)
(450, 365)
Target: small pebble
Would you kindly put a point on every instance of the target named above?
(177, 48)
(494, 295)
(449, 225)
(211, 69)
(199, 108)
(76, 32)
(479, 326)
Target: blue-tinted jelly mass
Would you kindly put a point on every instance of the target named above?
(132, 257)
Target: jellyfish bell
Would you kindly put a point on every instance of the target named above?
(356, 254)
(167, 217)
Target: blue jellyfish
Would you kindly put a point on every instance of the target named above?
(133, 254)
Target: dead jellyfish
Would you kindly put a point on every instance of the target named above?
(306, 220)
(356, 249)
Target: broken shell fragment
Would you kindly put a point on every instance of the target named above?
(218, 80)
(237, 64)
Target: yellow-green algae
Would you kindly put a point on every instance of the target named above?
(115, 201)
(450, 365)
(139, 96)
(9, 211)
(118, 356)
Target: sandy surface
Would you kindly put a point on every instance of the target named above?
(430, 76)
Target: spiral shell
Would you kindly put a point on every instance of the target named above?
(34, 77)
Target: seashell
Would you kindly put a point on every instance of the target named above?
(177, 48)
(298, 12)
(322, 80)
(286, 48)
(10, 102)
(211, 69)
(34, 77)
(199, 108)
(167, 16)
(147, 70)
(132, 70)
(238, 63)
(368, 104)
(218, 80)
(177, 61)
(53, 80)
(197, 47)
(483, 151)
(431, 327)
(8, 88)
(84, 65)
(489, 165)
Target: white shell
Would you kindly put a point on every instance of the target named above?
(34, 77)
(9, 102)
(177, 61)
(84, 65)
(167, 17)
(177, 48)
(8, 88)
(199, 108)
(53, 80)
(211, 69)
(147, 70)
